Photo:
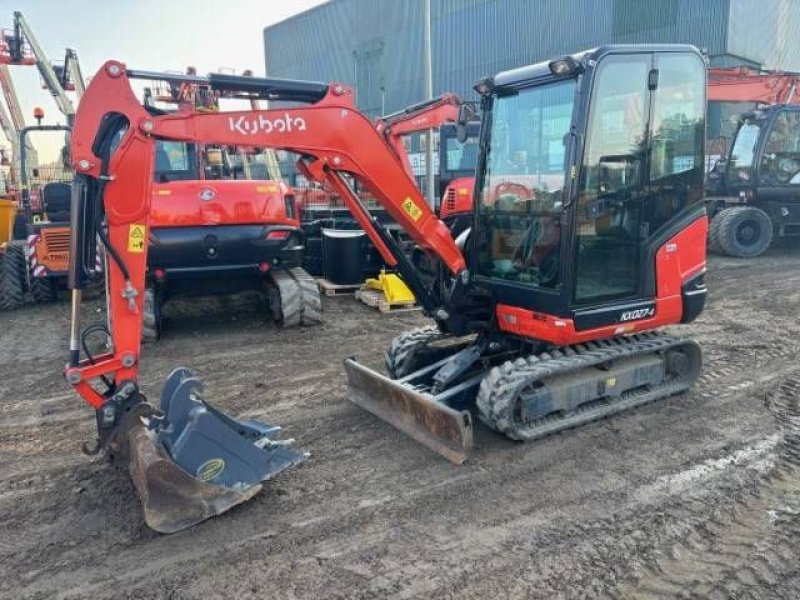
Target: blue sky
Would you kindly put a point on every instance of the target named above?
(160, 35)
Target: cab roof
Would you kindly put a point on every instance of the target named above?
(540, 71)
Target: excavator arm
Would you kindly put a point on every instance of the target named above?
(416, 118)
(113, 145)
(743, 84)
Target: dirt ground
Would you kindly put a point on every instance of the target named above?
(697, 496)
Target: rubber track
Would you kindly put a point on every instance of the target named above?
(398, 358)
(12, 276)
(499, 389)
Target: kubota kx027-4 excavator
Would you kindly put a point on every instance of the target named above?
(549, 303)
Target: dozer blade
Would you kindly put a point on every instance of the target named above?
(441, 428)
(193, 462)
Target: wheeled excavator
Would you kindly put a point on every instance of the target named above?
(753, 193)
(588, 237)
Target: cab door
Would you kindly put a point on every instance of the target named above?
(608, 219)
(641, 177)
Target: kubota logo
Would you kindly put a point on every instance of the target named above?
(252, 125)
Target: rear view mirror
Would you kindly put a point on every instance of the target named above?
(465, 114)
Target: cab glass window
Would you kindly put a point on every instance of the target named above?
(677, 134)
(522, 194)
(175, 161)
(781, 160)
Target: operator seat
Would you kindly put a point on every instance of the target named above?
(57, 200)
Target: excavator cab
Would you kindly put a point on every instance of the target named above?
(588, 227)
(578, 191)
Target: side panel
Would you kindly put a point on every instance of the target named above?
(191, 203)
(678, 260)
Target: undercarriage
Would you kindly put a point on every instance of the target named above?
(436, 383)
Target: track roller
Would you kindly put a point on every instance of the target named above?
(530, 397)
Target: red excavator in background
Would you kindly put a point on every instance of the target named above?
(613, 163)
(754, 193)
(220, 222)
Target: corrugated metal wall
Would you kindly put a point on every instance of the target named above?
(766, 32)
(376, 45)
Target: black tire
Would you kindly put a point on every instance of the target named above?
(151, 317)
(714, 230)
(13, 276)
(742, 231)
(311, 313)
(44, 289)
(285, 299)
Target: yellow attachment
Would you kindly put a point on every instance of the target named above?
(393, 288)
(7, 212)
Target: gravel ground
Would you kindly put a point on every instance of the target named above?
(697, 496)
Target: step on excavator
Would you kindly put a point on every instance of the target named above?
(588, 236)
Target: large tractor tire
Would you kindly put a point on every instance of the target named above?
(151, 319)
(713, 235)
(44, 289)
(741, 231)
(13, 275)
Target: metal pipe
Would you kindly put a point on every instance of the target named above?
(428, 65)
(75, 328)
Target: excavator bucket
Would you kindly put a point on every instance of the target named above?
(426, 418)
(192, 462)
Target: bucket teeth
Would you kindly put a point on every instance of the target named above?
(192, 461)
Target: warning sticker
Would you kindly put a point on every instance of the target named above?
(136, 238)
(412, 209)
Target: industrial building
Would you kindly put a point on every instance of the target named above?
(377, 45)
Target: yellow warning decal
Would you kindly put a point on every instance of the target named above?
(136, 238)
(413, 211)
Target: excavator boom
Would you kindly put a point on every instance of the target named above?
(188, 460)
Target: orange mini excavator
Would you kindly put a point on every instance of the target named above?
(588, 235)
